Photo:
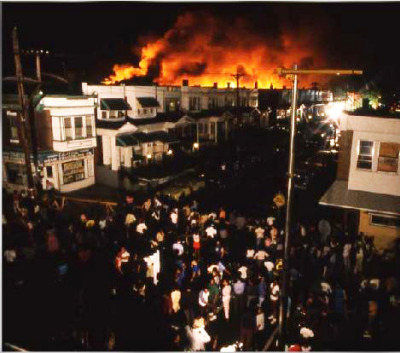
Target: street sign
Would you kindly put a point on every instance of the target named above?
(279, 200)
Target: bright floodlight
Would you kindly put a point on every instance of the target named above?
(334, 110)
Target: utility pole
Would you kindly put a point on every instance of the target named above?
(237, 76)
(38, 74)
(283, 308)
(23, 114)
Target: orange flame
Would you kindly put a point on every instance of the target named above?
(201, 50)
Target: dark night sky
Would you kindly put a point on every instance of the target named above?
(93, 36)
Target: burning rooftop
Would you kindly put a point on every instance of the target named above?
(208, 50)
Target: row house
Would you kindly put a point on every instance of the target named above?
(367, 185)
(64, 136)
(197, 99)
(116, 102)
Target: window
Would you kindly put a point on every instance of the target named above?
(73, 171)
(89, 127)
(14, 128)
(194, 103)
(365, 152)
(78, 127)
(121, 113)
(15, 173)
(68, 128)
(138, 111)
(49, 171)
(212, 129)
(145, 111)
(386, 221)
(388, 157)
(104, 114)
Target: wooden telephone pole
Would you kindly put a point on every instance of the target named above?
(283, 308)
(24, 131)
(237, 76)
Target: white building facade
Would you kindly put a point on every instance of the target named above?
(368, 177)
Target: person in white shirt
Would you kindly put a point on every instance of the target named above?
(141, 227)
(274, 296)
(174, 217)
(10, 255)
(203, 300)
(243, 272)
(260, 324)
(211, 232)
(176, 297)
(346, 255)
(226, 297)
(197, 335)
(261, 255)
(178, 246)
(260, 231)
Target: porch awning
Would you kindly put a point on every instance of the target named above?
(114, 104)
(338, 195)
(148, 102)
(127, 140)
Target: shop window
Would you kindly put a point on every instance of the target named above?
(15, 173)
(68, 128)
(388, 157)
(365, 153)
(49, 171)
(89, 127)
(385, 221)
(73, 171)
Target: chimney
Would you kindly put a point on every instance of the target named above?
(228, 85)
(256, 85)
(215, 84)
(185, 83)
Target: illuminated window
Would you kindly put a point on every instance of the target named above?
(365, 151)
(14, 128)
(388, 157)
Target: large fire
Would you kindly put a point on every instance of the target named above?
(201, 49)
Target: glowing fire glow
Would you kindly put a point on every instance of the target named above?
(204, 51)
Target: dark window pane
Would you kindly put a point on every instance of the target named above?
(78, 127)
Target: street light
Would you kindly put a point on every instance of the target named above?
(196, 145)
(169, 153)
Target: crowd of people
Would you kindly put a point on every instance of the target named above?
(163, 275)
